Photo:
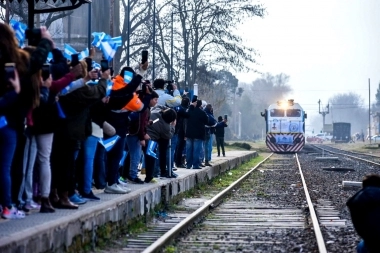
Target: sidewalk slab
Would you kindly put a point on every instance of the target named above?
(58, 231)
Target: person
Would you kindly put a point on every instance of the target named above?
(208, 134)
(17, 98)
(219, 134)
(180, 130)
(195, 134)
(161, 131)
(364, 208)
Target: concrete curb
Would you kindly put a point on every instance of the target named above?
(58, 235)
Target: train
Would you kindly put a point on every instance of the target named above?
(341, 132)
(285, 127)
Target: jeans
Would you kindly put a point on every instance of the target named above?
(113, 160)
(100, 167)
(44, 144)
(173, 146)
(193, 150)
(134, 148)
(207, 147)
(30, 153)
(220, 143)
(8, 142)
(89, 150)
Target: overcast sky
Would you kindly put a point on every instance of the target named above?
(326, 47)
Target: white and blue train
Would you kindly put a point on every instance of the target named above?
(285, 127)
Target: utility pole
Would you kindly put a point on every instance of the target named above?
(324, 113)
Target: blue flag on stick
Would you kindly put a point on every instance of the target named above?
(151, 149)
(109, 143)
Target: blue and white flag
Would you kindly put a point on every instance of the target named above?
(117, 40)
(109, 143)
(151, 149)
(96, 65)
(19, 29)
(85, 53)
(50, 57)
(98, 37)
(128, 76)
(109, 49)
(68, 51)
(66, 90)
(121, 163)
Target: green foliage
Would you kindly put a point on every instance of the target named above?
(242, 145)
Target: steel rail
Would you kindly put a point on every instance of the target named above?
(177, 229)
(317, 229)
(353, 157)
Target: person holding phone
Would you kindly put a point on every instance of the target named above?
(18, 99)
(219, 134)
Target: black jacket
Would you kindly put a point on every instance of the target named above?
(364, 207)
(76, 106)
(195, 125)
(219, 129)
(182, 115)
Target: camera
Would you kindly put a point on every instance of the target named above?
(9, 69)
(104, 65)
(33, 36)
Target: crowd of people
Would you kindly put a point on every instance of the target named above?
(79, 127)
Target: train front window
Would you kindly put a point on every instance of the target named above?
(277, 112)
(293, 113)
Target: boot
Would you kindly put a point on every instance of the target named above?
(64, 202)
(54, 199)
(46, 206)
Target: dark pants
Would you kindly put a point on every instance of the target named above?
(181, 144)
(149, 165)
(163, 148)
(220, 143)
(17, 173)
(100, 167)
(63, 156)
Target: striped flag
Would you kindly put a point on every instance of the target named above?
(121, 163)
(109, 49)
(68, 51)
(152, 145)
(83, 54)
(117, 41)
(98, 37)
(109, 143)
(19, 29)
(109, 87)
(96, 65)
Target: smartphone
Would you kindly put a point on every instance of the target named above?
(89, 63)
(74, 59)
(111, 70)
(45, 71)
(225, 116)
(9, 70)
(104, 65)
(144, 56)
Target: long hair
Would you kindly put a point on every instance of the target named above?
(35, 79)
(10, 51)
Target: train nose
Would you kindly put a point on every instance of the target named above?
(273, 140)
(297, 140)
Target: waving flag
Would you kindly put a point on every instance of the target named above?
(19, 29)
(107, 44)
(109, 87)
(68, 51)
(83, 54)
(96, 65)
(109, 143)
(121, 163)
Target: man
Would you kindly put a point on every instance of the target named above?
(364, 207)
(219, 134)
(195, 134)
(208, 134)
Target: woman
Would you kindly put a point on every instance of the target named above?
(16, 109)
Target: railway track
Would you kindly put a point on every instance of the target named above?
(267, 210)
(372, 159)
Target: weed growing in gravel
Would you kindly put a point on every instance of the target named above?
(170, 249)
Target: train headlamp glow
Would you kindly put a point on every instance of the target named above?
(285, 104)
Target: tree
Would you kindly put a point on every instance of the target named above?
(20, 10)
(378, 97)
(349, 107)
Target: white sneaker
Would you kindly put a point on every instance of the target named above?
(12, 213)
(115, 189)
(124, 187)
(121, 182)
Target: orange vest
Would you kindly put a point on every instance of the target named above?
(133, 105)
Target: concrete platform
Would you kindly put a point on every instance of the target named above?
(70, 230)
